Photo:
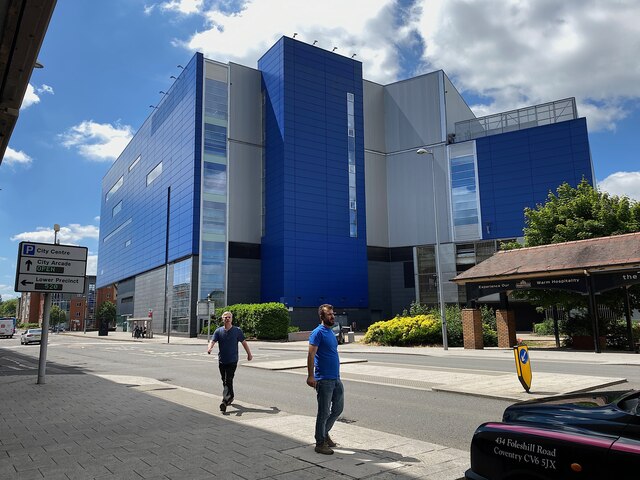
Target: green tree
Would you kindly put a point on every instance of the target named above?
(57, 316)
(578, 213)
(107, 312)
(9, 307)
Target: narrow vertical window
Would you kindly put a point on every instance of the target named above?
(351, 166)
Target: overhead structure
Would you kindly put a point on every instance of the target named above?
(588, 267)
(23, 24)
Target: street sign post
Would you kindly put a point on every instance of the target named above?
(45, 267)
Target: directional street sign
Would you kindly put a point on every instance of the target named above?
(45, 267)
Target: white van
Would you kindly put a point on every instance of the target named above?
(7, 327)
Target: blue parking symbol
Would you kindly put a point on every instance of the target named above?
(524, 357)
(28, 249)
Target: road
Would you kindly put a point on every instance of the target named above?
(392, 405)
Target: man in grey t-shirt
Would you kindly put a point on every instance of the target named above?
(228, 338)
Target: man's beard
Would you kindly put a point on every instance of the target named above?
(328, 322)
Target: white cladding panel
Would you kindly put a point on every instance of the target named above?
(456, 108)
(245, 193)
(245, 155)
(245, 104)
(412, 113)
(373, 108)
(375, 179)
(410, 192)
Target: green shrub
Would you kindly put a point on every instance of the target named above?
(293, 329)
(402, 331)
(453, 314)
(544, 328)
(265, 321)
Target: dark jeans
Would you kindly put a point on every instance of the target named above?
(330, 394)
(227, 372)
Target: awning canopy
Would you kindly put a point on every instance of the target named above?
(611, 261)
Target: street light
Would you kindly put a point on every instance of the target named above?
(443, 317)
(56, 229)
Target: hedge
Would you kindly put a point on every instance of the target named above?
(264, 321)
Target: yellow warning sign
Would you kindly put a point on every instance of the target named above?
(523, 365)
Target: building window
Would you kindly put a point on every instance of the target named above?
(116, 209)
(465, 199)
(127, 243)
(115, 188)
(110, 236)
(135, 162)
(213, 236)
(351, 166)
(153, 174)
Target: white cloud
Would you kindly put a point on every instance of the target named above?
(98, 141)
(622, 184)
(364, 27)
(524, 52)
(510, 53)
(31, 95)
(16, 157)
(69, 235)
(7, 292)
(92, 264)
(185, 7)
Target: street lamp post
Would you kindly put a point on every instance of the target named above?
(443, 317)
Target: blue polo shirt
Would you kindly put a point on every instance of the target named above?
(326, 361)
(228, 343)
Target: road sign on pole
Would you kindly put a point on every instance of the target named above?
(46, 267)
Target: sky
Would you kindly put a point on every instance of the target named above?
(106, 63)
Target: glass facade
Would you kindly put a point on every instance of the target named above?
(160, 220)
(179, 296)
(351, 144)
(213, 242)
(465, 200)
(427, 275)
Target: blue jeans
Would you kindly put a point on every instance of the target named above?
(330, 394)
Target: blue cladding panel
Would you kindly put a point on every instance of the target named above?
(171, 135)
(308, 257)
(518, 169)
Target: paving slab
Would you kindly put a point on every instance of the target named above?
(542, 385)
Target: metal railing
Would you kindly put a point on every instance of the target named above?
(528, 117)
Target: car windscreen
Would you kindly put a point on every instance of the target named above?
(630, 403)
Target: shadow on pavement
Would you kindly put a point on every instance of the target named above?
(239, 410)
(14, 363)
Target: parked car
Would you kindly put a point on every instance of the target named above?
(338, 332)
(32, 335)
(585, 436)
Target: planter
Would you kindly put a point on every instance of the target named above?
(585, 342)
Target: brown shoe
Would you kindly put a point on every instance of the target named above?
(324, 449)
(330, 442)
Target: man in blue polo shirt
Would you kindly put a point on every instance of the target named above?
(323, 369)
(228, 338)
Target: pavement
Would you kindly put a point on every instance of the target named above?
(83, 426)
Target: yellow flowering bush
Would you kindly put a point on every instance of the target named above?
(416, 330)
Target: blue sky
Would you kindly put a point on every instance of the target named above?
(105, 62)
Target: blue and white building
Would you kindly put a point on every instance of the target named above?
(298, 182)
